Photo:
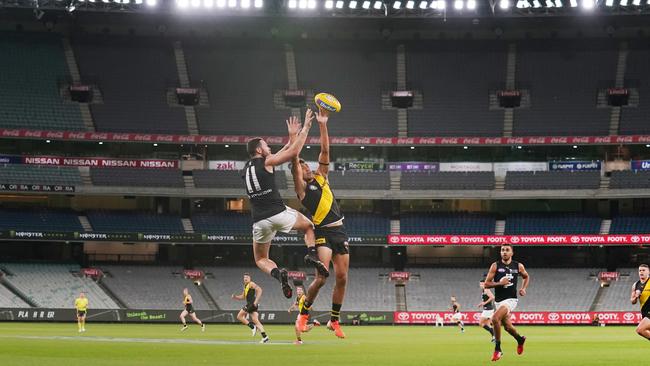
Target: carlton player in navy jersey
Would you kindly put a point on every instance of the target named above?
(487, 305)
(503, 276)
(269, 212)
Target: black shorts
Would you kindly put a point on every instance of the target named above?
(81, 313)
(189, 308)
(250, 308)
(645, 314)
(335, 238)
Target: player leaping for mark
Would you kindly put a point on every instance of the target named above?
(269, 212)
(487, 305)
(457, 316)
(314, 192)
(189, 310)
(502, 276)
(252, 294)
(641, 294)
(299, 305)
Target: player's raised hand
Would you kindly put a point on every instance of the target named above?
(322, 116)
(293, 125)
(522, 292)
(309, 117)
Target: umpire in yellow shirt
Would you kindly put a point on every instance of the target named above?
(81, 304)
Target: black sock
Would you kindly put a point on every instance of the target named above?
(497, 346)
(275, 273)
(305, 309)
(490, 330)
(263, 334)
(312, 252)
(251, 325)
(519, 338)
(335, 313)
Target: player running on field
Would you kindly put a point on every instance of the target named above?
(252, 294)
(299, 305)
(641, 294)
(503, 276)
(457, 316)
(188, 309)
(81, 306)
(315, 194)
(487, 305)
(269, 212)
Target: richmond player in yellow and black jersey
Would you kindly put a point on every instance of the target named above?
(314, 192)
(188, 309)
(252, 294)
(641, 294)
(299, 305)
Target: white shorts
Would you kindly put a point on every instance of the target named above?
(264, 230)
(510, 304)
(487, 314)
(457, 317)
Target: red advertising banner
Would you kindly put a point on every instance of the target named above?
(92, 272)
(608, 276)
(404, 276)
(519, 239)
(100, 162)
(193, 273)
(297, 275)
(540, 317)
(279, 140)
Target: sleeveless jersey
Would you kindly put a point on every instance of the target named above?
(489, 305)
(262, 192)
(320, 202)
(454, 307)
(249, 294)
(186, 300)
(643, 298)
(512, 272)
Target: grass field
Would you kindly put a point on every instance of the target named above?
(27, 344)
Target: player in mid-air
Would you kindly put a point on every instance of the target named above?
(457, 316)
(313, 190)
(252, 293)
(188, 309)
(269, 212)
(81, 306)
(502, 277)
(487, 305)
(299, 304)
(641, 294)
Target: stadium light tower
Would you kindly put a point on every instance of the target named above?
(423, 4)
(397, 5)
(245, 4)
(471, 4)
(366, 4)
(339, 4)
(259, 4)
(378, 5)
(588, 4)
(151, 3)
(636, 2)
(353, 4)
(410, 4)
(504, 4)
(459, 4)
(292, 4)
(329, 4)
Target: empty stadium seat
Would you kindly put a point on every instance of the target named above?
(552, 180)
(628, 179)
(134, 221)
(447, 180)
(222, 223)
(230, 179)
(447, 223)
(359, 180)
(634, 120)
(630, 225)
(547, 223)
(130, 177)
(366, 224)
(39, 220)
(42, 175)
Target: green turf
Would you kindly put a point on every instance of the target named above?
(27, 344)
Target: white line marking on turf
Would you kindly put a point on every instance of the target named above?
(148, 340)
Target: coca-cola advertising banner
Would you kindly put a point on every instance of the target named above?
(281, 140)
(193, 273)
(519, 239)
(403, 276)
(100, 162)
(608, 276)
(541, 317)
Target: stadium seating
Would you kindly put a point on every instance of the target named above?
(563, 77)
(55, 285)
(356, 72)
(453, 108)
(627, 179)
(134, 221)
(133, 75)
(32, 67)
(359, 180)
(366, 224)
(151, 287)
(230, 179)
(447, 180)
(616, 296)
(39, 220)
(231, 223)
(635, 120)
(448, 223)
(532, 224)
(630, 225)
(130, 177)
(9, 300)
(46, 175)
(552, 180)
(240, 87)
(551, 289)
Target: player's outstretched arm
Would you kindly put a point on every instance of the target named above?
(238, 297)
(298, 182)
(293, 125)
(524, 275)
(324, 157)
(634, 296)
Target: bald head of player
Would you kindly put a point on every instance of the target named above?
(506, 252)
(644, 272)
(258, 147)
